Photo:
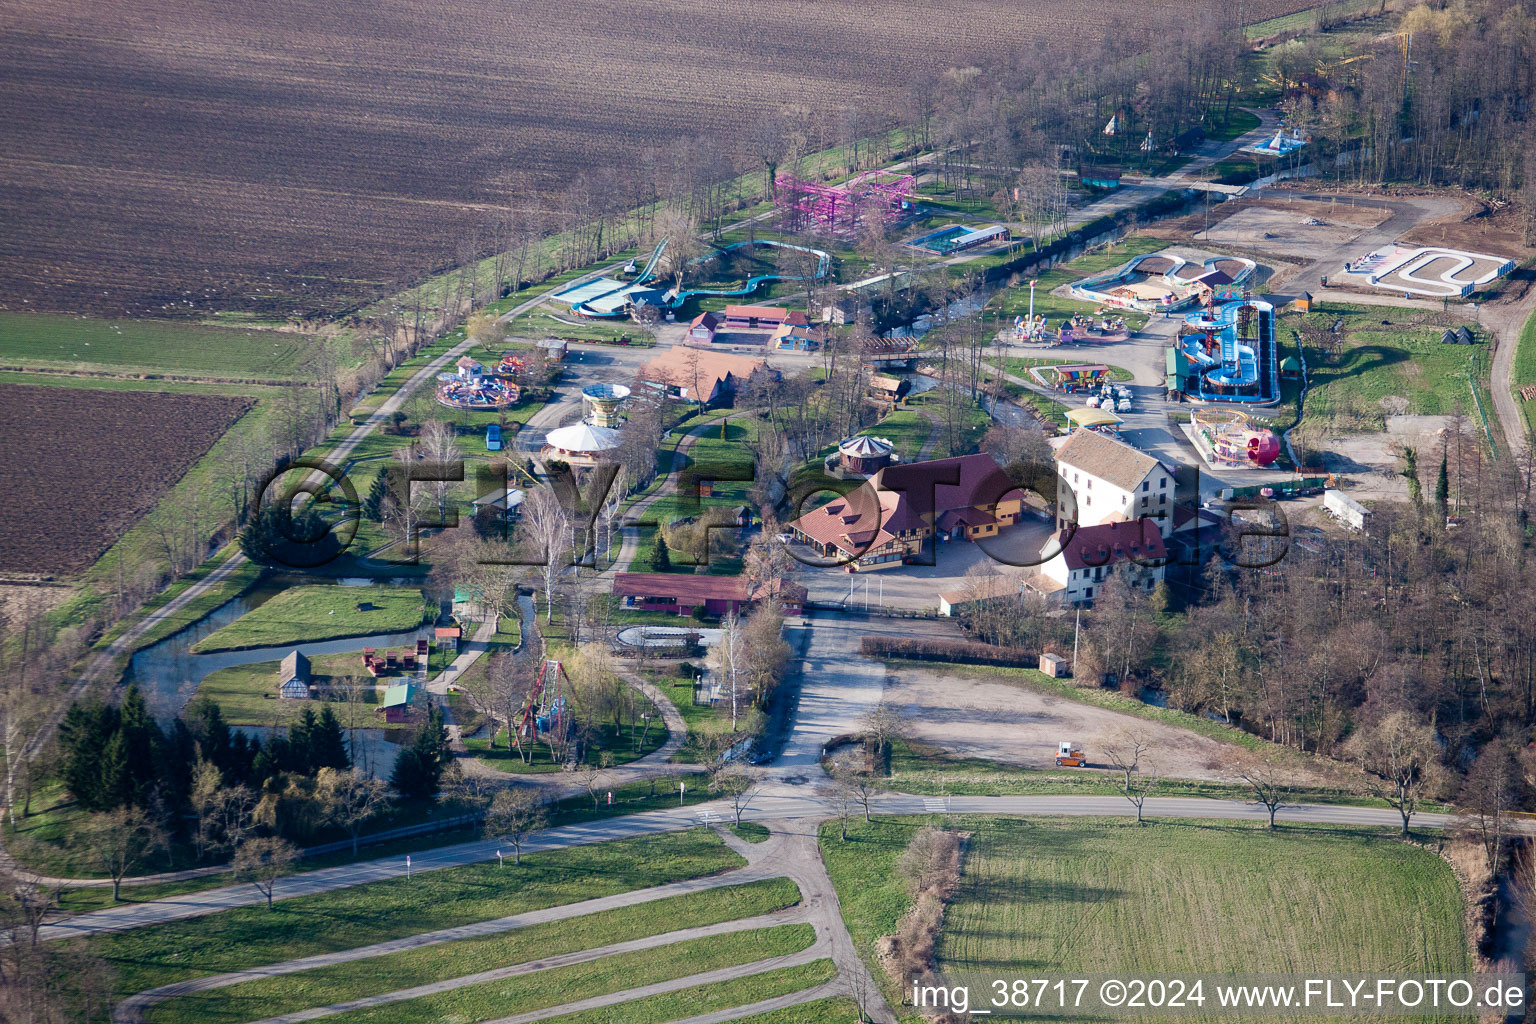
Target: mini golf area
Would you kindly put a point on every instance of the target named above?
(1429, 272)
(1157, 282)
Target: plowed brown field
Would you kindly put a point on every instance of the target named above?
(283, 155)
(82, 465)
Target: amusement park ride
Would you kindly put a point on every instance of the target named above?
(1233, 441)
(547, 712)
(844, 207)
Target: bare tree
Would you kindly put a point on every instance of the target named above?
(121, 840)
(1400, 758)
(1271, 783)
(731, 651)
(1486, 800)
(840, 795)
(739, 784)
(262, 860)
(591, 777)
(860, 786)
(439, 449)
(548, 528)
(882, 724)
(1128, 751)
(514, 815)
(351, 799)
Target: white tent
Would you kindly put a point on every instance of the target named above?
(583, 438)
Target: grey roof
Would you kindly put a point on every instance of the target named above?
(295, 666)
(1109, 460)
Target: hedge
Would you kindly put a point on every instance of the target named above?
(965, 652)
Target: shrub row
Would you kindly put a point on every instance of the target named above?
(965, 652)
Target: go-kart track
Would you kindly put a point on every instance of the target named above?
(1431, 272)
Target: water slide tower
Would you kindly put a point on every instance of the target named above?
(604, 404)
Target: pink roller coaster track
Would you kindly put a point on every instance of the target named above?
(842, 207)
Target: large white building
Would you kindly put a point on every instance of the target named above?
(1085, 559)
(1114, 509)
(1101, 480)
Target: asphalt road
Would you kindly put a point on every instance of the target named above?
(783, 799)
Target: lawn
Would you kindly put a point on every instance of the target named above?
(345, 918)
(270, 996)
(622, 741)
(698, 718)
(1103, 896)
(1100, 896)
(1238, 122)
(822, 1011)
(247, 694)
(1524, 370)
(556, 986)
(1019, 366)
(32, 340)
(242, 577)
(1387, 354)
(692, 1002)
(751, 831)
(1014, 302)
(306, 614)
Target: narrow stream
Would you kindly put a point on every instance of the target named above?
(168, 673)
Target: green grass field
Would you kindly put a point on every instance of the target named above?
(1019, 365)
(822, 1011)
(361, 915)
(306, 614)
(1524, 370)
(751, 831)
(31, 340)
(555, 986)
(1013, 302)
(270, 996)
(1387, 353)
(1104, 896)
(624, 743)
(247, 694)
(692, 1002)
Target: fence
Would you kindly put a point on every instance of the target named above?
(389, 835)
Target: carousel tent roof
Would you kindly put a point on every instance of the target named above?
(583, 437)
(865, 447)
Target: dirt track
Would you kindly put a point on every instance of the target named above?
(971, 716)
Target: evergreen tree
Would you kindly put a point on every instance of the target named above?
(275, 536)
(114, 786)
(83, 736)
(373, 504)
(661, 558)
(419, 767)
(205, 720)
(300, 744)
(327, 743)
(142, 746)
